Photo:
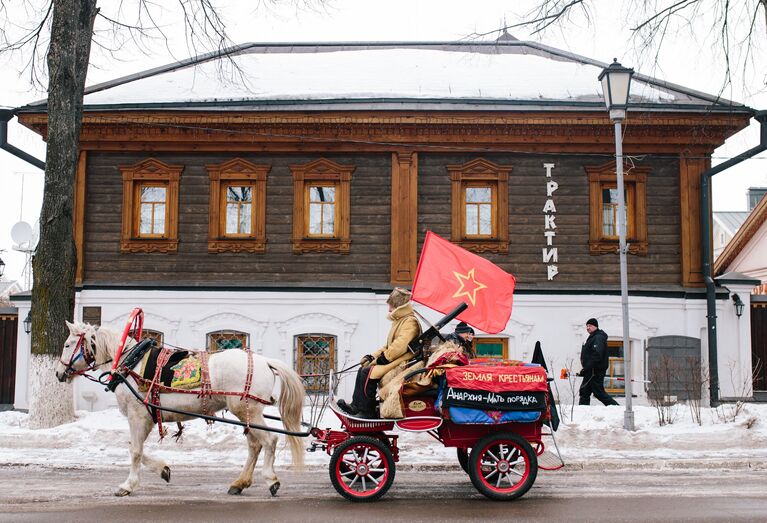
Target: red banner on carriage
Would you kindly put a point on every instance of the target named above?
(448, 275)
(497, 387)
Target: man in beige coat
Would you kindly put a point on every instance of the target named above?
(405, 328)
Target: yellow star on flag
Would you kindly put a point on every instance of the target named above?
(463, 279)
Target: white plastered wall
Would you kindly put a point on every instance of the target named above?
(357, 320)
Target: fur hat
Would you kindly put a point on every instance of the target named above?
(592, 321)
(398, 297)
(463, 328)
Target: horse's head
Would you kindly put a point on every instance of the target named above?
(78, 355)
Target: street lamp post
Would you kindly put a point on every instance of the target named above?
(616, 81)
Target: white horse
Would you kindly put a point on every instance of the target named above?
(90, 347)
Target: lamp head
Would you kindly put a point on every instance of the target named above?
(616, 83)
(739, 305)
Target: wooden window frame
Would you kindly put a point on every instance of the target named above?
(157, 336)
(237, 172)
(487, 340)
(222, 332)
(300, 358)
(153, 172)
(321, 171)
(635, 185)
(480, 173)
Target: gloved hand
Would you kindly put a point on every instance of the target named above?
(366, 360)
(579, 373)
(381, 360)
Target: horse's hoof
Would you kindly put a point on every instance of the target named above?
(274, 488)
(121, 492)
(234, 491)
(165, 474)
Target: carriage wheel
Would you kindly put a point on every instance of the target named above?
(463, 458)
(503, 466)
(362, 468)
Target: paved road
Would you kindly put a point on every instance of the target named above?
(199, 494)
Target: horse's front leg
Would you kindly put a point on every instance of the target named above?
(140, 427)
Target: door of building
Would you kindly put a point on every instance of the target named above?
(8, 325)
(759, 343)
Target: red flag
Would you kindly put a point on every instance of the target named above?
(448, 275)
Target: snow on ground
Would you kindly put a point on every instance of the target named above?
(595, 434)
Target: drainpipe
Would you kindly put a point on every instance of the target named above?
(5, 116)
(705, 228)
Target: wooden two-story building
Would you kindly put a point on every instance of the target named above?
(272, 197)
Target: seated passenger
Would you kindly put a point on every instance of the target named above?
(404, 329)
(463, 337)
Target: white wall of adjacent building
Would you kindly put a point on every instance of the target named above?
(358, 322)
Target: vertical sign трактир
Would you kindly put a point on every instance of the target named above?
(550, 254)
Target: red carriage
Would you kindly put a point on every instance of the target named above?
(494, 413)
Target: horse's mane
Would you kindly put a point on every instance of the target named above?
(105, 339)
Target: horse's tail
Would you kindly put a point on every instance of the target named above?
(291, 403)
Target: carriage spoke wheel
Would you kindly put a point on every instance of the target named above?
(362, 468)
(503, 466)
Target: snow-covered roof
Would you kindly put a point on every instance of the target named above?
(730, 221)
(502, 75)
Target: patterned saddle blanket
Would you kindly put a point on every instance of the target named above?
(183, 370)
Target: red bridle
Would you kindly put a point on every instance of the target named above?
(80, 352)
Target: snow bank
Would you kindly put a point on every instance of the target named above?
(594, 434)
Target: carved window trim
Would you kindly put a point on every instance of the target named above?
(152, 172)
(324, 172)
(484, 173)
(241, 173)
(635, 183)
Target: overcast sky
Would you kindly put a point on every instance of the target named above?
(682, 61)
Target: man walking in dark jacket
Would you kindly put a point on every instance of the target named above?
(594, 360)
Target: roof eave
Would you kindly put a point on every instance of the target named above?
(372, 104)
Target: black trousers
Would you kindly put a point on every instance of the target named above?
(365, 390)
(594, 383)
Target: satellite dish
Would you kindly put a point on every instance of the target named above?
(21, 233)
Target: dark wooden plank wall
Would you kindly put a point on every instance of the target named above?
(8, 329)
(527, 196)
(368, 260)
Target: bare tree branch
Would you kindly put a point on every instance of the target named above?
(732, 28)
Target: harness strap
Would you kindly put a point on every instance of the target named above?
(154, 388)
(246, 390)
(205, 387)
(165, 389)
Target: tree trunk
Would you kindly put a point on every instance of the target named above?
(53, 292)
